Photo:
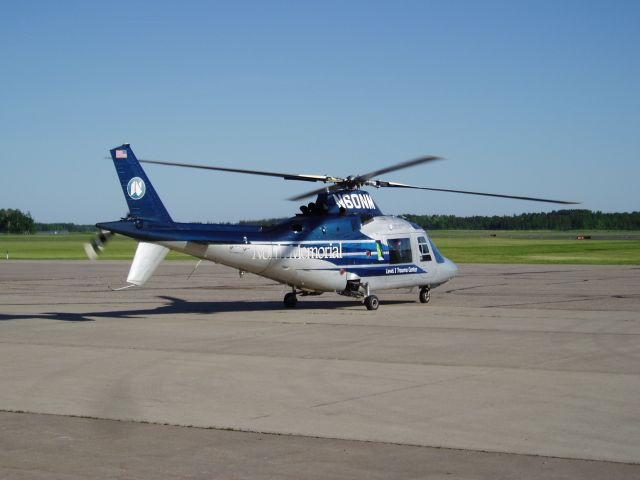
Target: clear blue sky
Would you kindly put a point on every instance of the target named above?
(537, 98)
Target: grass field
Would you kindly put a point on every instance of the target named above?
(66, 247)
(532, 247)
(540, 251)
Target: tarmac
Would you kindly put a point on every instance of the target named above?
(511, 371)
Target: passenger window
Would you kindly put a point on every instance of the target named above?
(423, 246)
(400, 250)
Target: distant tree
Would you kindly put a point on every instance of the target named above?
(14, 221)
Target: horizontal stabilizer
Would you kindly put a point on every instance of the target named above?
(148, 257)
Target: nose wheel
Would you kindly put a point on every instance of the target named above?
(371, 302)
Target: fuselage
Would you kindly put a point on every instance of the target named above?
(319, 252)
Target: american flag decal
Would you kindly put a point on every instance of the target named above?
(121, 154)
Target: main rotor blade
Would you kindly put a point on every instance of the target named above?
(313, 193)
(286, 176)
(516, 197)
(397, 166)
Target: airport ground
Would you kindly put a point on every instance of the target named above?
(512, 371)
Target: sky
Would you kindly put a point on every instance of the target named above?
(535, 98)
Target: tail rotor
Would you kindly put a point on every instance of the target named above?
(98, 243)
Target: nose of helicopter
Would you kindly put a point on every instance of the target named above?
(451, 268)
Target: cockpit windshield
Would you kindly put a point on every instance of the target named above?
(436, 252)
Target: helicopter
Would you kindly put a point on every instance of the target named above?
(341, 242)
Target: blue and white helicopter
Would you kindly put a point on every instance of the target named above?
(340, 243)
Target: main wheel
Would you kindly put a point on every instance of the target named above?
(290, 300)
(371, 302)
(425, 295)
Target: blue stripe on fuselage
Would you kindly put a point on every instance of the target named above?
(380, 270)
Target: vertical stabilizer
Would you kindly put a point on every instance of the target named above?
(141, 197)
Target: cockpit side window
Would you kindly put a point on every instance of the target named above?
(423, 247)
(400, 250)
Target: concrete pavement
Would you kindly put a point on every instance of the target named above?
(517, 360)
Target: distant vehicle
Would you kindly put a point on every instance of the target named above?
(341, 242)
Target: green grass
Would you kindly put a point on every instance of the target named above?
(529, 247)
(66, 247)
(542, 251)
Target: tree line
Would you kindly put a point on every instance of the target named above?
(64, 227)
(15, 221)
(556, 220)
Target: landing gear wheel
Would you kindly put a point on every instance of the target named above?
(425, 295)
(371, 302)
(290, 300)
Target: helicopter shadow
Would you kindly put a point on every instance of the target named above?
(179, 306)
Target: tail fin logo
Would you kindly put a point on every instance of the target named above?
(136, 188)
